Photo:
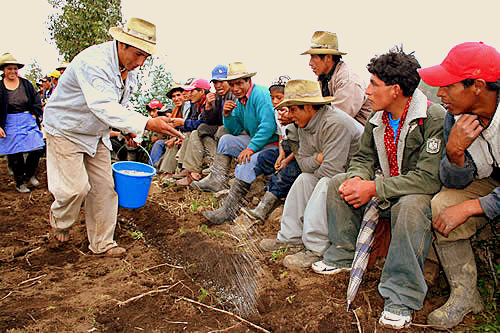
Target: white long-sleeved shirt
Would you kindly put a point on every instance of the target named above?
(91, 97)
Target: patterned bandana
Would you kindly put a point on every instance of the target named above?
(391, 144)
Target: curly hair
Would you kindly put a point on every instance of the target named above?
(396, 67)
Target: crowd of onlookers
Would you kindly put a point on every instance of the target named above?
(337, 152)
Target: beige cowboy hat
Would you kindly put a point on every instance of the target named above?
(8, 59)
(324, 42)
(176, 86)
(236, 71)
(137, 33)
(300, 92)
(62, 65)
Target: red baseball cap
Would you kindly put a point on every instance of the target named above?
(199, 83)
(470, 60)
(155, 104)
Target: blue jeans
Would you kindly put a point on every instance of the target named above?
(280, 183)
(233, 145)
(157, 151)
(402, 283)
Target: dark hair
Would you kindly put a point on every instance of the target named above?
(277, 88)
(494, 86)
(336, 57)
(316, 107)
(200, 89)
(396, 67)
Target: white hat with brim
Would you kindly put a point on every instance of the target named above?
(324, 42)
(137, 33)
(177, 86)
(301, 92)
(62, 65)
(237, 70)
(8, 59)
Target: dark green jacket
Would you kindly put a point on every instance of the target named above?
(418, 152)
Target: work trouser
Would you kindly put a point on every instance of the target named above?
(74, 176)
(202, 142)
(304, 214)
(402, 283)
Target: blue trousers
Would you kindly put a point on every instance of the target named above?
(280, 183)
(233, 145)
(157, 151)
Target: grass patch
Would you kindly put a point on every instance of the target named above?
(277, 254)
(204, 228)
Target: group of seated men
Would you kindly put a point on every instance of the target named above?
(334, 146)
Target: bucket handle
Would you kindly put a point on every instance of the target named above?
(124, 145)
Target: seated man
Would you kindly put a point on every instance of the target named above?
(470, 170)
(403, 137)
(252, 114)
(199, 90)
(168, 162)
(328, 138)
(203, 140)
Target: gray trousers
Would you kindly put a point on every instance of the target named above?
(168, 162)
(304, 214)
(201, 144)
(402, 283)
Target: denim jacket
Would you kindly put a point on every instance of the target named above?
(91, 98)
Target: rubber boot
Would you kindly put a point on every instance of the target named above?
(264, 208)
(217, 179)
(231, 206)
(457, 259)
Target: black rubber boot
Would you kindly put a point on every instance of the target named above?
(217, 179)
(231, 206)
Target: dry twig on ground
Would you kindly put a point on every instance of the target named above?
(152, 292)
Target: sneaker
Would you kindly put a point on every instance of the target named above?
(22, 189)
(268, 244)
(34, 182)
(321, 268)
(394, 321)
(302, 259)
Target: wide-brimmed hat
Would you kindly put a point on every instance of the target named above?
(176, 86)
(8, 59)
(324, 42)
(469, 60)
(137, 33)
(236, 71)
(301, 92)
(62, 65)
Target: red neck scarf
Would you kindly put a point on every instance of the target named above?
(391, 144)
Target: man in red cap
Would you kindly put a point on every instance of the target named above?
(196, 116)
(469, 83)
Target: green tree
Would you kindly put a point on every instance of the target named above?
(79, 24)
(33, 72)
(154, 81)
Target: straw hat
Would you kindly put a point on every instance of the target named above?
(236, 71)
(324, 42)
(137, 33)
(176, 86)
(62, 65)
(300, 92)
(8, 59)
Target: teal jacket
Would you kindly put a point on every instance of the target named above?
(256, 119)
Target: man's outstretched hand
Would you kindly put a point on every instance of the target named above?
(162, 125)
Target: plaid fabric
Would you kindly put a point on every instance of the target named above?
(364, 245)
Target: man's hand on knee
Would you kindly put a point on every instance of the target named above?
(451, 217)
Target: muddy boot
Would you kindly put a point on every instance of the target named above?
(268, 203)
(217, 179)
(231, 206)
(459, 266)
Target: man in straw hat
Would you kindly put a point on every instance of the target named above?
(336, 78)
(403, 137)
(90, 99)
(252, 113)
(62, 67)
(469, 81)
(328, 138)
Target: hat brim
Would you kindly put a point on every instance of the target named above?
(305, 100)
(323, 51)
(240, 76)
(437, 76)
(118, 34)
(171, 91)
(218, 79)
(7, 63)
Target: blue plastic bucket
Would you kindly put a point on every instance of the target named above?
(132, 188)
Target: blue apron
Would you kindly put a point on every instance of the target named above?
(23, 134)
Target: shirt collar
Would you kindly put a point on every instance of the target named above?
(244, 100)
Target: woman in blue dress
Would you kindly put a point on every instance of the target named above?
(20, 135)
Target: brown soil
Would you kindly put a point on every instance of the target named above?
(49, 287)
